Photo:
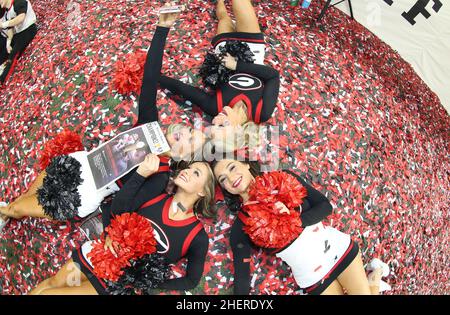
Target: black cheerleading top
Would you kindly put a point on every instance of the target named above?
(175, 238)
(256, 85)
(315, 208)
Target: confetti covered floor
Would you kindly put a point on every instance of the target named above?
(356, 121)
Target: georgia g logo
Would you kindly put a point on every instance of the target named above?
(161, 238)
(242, 81)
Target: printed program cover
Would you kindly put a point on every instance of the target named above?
(124, 152)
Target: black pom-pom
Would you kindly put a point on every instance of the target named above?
(144, 275)
(237, 49)
(214, 73)
(59, 193)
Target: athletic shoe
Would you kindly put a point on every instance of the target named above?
(384, 286)
(376, 263)
(2, 68)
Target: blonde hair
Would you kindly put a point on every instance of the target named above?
(247, 136)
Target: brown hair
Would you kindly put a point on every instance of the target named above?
(206, 205)
(234, 202)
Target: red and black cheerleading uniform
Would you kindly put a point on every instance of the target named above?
(254, 84)
(176, 239)
(148, 197)
(314, 209)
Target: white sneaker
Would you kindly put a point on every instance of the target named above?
(2, 68)
(2, 221)
(384, 286)
(376, 263)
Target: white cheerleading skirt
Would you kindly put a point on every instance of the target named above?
(254, 40)
(315, 253)
(91, 198)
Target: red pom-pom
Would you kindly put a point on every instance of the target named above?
(129, 73)
(133, 235)
(63, 143)
(278, 186)
(264, 224)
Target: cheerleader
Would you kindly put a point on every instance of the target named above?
(246, 91)
(178, 231)
(323, 260)
(20, 18)
(66, 189)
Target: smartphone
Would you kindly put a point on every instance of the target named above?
(171, 9)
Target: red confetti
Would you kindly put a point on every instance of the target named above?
(360, 125)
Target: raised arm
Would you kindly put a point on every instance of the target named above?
(195, 264)
(147, 99)
(152, 70)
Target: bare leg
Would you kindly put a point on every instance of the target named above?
(68, 276)
(32, 190)
(334, 288)
(85, 288)
(25, 207)
(225, 23)
(246, 19)
(354, 278)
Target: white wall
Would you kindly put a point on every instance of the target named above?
(425, 45)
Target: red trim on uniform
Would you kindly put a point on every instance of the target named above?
(164, 168)
(164, 159)
(153, 201)
(252, 40)
(258, 111)
(11, 69)
(192, 234)
(241, 216)
(246, 100)
(311, 288)
(86, 264)
(119, 183)
(246, 260)
(168, 221)
(219, 101)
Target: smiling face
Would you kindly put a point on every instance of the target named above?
(194, 178)
(184, 140)
(234, 176)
